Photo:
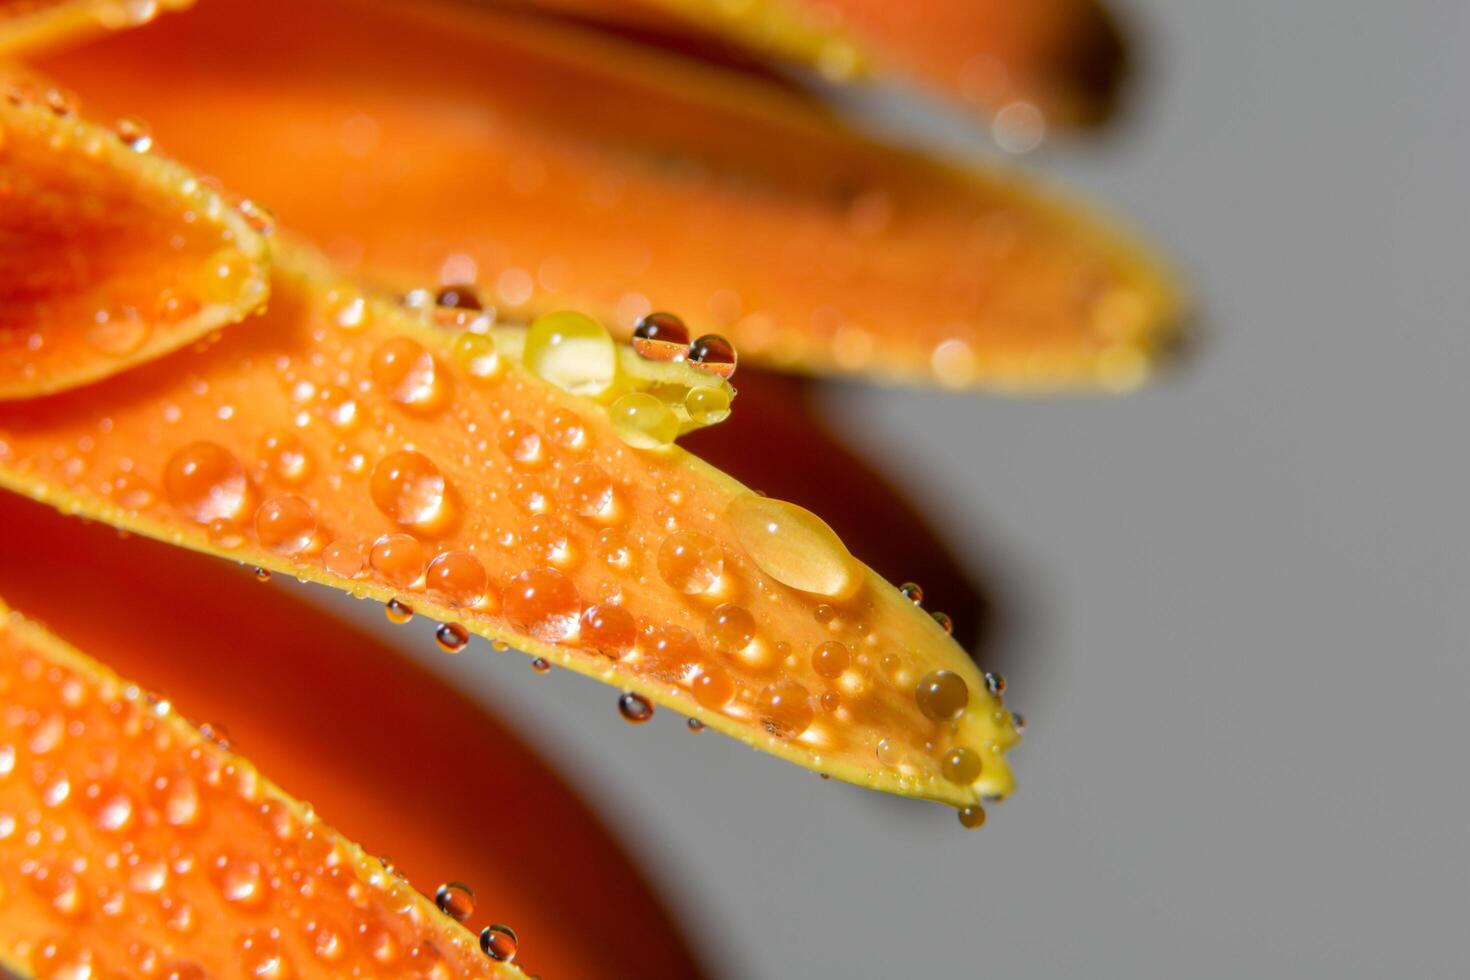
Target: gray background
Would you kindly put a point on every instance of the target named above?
(1236, 602)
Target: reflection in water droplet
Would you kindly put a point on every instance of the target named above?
(707, 406)
(410, 490)
(661, 337)
(455, 900)
(573, 352)
(972, 817)
(499, 943)
(942, 695)
(544, 603)
(912, 592)
(715, 354)
(635, 708)
(451, 637)
(398, 611)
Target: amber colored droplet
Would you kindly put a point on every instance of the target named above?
(134, 133)
(206, 483)
(661, 337)
(690, 562)
(521, 443)
(455, 900)
(541, 665)
(456, 578)
(785, 709)
(499, 943)
(609, 630)
(476, 354)
(451, 637)
(669, 653)
(589, 490)
(694, 725)
(707, 406)
(831, 700)
(399, 559)
(713, 686)
(995, 683)
(410, 490)
(344, 558)
(458, 296)
(635, 708)
(262, 574)
(944, 621)
(223, 273)
(912, 592)
(285, 524)
(730, 628)
(830, 659)
(408, 375)
(715, 354)
(285, 457)
(942, 695)
(972, 817)
(794, 546)
(960, 765)
(544, 603)
(398, 611)
(643, 421)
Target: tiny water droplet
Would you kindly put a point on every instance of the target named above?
(455, 900)
(912, 592)
(695, 725)
(1019, 721)
(635, 708)
(257, 216)
(263, 574)
(995, 683)
(714, 354)
(499, 942)
(944, 621)
(661, 337)
(134, 133)
(541, 665)
(458, 296)
(398, 611)
(451, 637)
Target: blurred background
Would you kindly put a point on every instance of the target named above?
(1233, 607)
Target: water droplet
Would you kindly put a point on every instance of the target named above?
(830, 659)
(785, 709)
(61, 102)
(942, 695)
(224, 272)
(1018, 721)
(730, 628)
(260, 955)
(499, 943)
(398, 611)
(285, 524)
(451, 637)
(117, 333)
(544, 603)
(455, 900)
(690, 562)
(258, 216)
(635, 708)
(944, 621)
(794, 546)
(206, 483)
(262, 574)
(669, 653)
(476, 354)
(995, 683)
(458, 296)
(573, 352)
(134, 134)
(972, 816)
(609, 629)
(589, 490)
(713, 686)
(347, 308)
(694, 725)
(661, 337)
(408, 375)
(521, 443)
(643, 421)
(912, 592)
(285, 457)
(707, 406)
(456, 578)
(399, 559)
(960, 765)
(344, 558)
(541, 665)
(714, 354)
(410, 490)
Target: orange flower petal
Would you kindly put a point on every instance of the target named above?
(205, 852)
(561, 169)
(338, 718)
(1064, 57)
(347, 441)
(28, 25)
(111, 257)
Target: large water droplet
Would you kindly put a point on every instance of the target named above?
(206, 483)
(610, 630)
(643, 421)
(285, 524)
(830, 659)
(410, 490)
(544, 603)
(455, 900)
(499, 942)
(456, 578)
(730, 628)
(399, 559)
(690, 562)
(942, 695)
(408, 375)
(794, 546)
(573, 352)
(661, 337)
(785, 709)
(714, 354)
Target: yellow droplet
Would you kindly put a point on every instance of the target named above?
(225, 270)
(643, 422)
(476, 354)
(707, 405)
(573, 352)
(794, 546)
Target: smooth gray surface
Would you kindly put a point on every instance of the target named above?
(1241, 629)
